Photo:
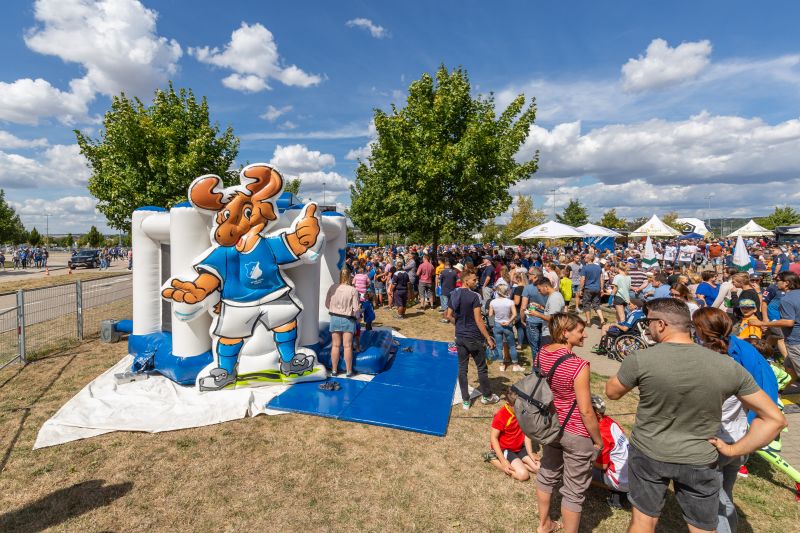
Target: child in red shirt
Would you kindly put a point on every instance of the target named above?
(610, 468)
(511, 451)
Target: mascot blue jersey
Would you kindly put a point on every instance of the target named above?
(250, 277)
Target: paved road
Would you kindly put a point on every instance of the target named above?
(52, 302)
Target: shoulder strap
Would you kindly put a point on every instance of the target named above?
(556, 364)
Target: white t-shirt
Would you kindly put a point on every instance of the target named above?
(502, 308)
(687, 253)
(669, 254)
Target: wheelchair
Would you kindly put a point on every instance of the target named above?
(618, 344)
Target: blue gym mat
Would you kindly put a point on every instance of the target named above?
(414, 393)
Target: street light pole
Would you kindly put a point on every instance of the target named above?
(324, 197)
(554, 201)
(708, 211)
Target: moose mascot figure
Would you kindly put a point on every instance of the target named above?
(245, 265)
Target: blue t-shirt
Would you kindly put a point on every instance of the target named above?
(707, 292)
(249, 277)
(593, 273)
(790, 310)
(661, 292)
(772, 297)
(534, 296)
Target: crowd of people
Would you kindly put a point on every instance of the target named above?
(720, 342)
(24, 257)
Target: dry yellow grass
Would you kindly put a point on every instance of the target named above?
(286, 473)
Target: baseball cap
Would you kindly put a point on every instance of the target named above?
(747, 302)
(459, 267)
(598, 404)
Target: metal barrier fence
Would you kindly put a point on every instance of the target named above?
(54, 318)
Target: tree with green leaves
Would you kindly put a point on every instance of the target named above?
(93, 238)
(293, 186)
(523, 216)
(150, 155)
(574, 214)
(636, 223)
(781, 216)
(491, 232)
(34, 237)
(671, 220)
(612, 221)
(11, 228)
(443, 163)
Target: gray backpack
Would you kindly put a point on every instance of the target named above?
(534, 407)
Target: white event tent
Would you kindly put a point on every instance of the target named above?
(551, 230)
(654, 228)
(751, 229)
(593, 230)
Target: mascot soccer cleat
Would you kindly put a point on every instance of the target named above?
(298, 366)
(217, 379)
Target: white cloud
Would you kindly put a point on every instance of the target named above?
(67, 214)
(114, 40)
(252, 55)
(362, 153)
(273, 113)
(78, 205)
(335, 185)
(662, 66)
(58, 165)
(297, 158)
(701, 149)
(379, 32)
(8, 140)
(288, 125)
(27, 101)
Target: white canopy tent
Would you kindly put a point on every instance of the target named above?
(593, 230)
(654, 228)
(751, 229)
(552, 230)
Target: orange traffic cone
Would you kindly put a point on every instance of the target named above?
(46, 271)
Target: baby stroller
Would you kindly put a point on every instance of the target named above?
(618, 344)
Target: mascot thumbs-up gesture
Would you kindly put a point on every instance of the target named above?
(245, 266)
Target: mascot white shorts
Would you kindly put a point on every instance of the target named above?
(235, 322)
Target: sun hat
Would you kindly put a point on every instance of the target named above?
(459, 267)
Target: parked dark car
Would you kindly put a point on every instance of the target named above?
(85, 258)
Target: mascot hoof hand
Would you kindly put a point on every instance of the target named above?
(299, 365)
(217, 379)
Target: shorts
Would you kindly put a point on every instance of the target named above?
(716, 261)
(399, 298)
(591, 299)
(793, 357)
(696, 488)
(619, 301)
(380, 288)
(426, 291)
(340, 324)
(508, 454)
(238, 322)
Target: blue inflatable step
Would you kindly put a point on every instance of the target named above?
(377, 349)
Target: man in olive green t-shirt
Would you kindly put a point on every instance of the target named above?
(681, 390)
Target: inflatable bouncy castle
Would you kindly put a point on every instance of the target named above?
(229, 287)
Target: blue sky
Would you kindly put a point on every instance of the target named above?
(647, 107)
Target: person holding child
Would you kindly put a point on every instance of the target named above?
(511, 451)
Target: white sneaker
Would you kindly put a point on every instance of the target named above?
(517, 368)
(486, 400)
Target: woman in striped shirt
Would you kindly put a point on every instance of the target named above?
(571, 457)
